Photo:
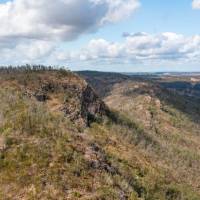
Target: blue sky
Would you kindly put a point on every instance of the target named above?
(167, 39)
(168, 16)
(154, 16)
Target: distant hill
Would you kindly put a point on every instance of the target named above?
(102, 81)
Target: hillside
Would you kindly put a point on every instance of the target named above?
(59, 140)
(167, 111)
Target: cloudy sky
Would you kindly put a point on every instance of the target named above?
(107, 35)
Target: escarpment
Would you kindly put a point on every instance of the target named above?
(82, 105)
(62, 91)
(77, 100)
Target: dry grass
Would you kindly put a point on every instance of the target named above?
(176, 134)
(43, 155)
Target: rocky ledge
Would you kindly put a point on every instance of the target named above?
(74, 96)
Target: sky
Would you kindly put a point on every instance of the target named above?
(103, 35)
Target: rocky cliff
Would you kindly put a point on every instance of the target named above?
(61, 91)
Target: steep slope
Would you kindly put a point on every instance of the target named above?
(172, 136)
(45, 153)
(168, 119)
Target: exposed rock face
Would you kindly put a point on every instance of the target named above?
(76, 99)
(84, 106)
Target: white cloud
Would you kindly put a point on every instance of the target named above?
(27, 51)
(196, 4)
(30, 28)
(118, 9)
(59, 19)
(142, 47)
(101, 48)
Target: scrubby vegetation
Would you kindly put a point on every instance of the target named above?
(46, 154)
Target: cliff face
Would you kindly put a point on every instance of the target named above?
(65, 92)
(77, 100)
(80, 103)
(83, 106)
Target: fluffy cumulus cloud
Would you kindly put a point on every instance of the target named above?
(196, 4)
(62, 19)
(27, 51)
(29, 24)
(141, 47)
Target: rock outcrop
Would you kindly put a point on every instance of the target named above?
(75, 97)
(83, 106)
